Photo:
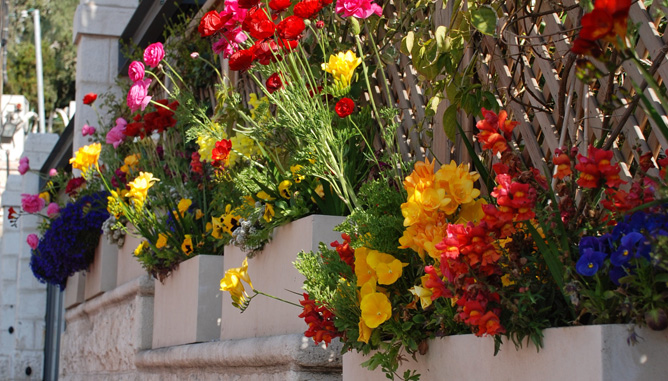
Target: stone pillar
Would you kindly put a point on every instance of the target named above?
(23, 298)
(97, 27)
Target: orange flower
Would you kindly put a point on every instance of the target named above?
(563, 163)
(607, 21)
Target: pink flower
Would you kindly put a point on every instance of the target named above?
(87, 130)
(33, 241)
(136, 71)
(238, 14)
(53, 172)
(194, 55)
(229, 43)
(32, 203)
(52, 210)
(360, 9)
(153, 54)
(138, 95)
(24, 165)
(116, 135)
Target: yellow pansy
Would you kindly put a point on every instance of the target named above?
(268, 212)
(262, 195)
(184, 204)
(284, 189)
(199, 214)
(296, 175)
(86, 157)
(187, 245)
(342, 67)
(376, 309)
(320, 191)
(139, 187)
(387, 268)
(365, 332)
(217, 227)
(363, 271)
(162, 241)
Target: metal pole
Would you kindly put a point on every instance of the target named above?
(40, 79)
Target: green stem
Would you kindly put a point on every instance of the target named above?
(276, 298)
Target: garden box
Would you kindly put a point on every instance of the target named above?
(74, 290)
(129, 267)
(101, 274)
(187, 306)
(272, 272)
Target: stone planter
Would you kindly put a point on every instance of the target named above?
(74, 290)
(593, 353)
(187, 307)
(128, 267)
(272, 272)
(101, 275)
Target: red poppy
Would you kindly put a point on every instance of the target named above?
(258, 24)
(274, 83)
(241, 60)
(89, 98)
(279, 5)
(344, 107)
(290, 28)
(248, 4)
(307, 9)
(212, 22)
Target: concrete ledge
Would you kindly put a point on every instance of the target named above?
(142, 286)
(272, 351)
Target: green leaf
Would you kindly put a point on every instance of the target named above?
(450, 122)
(663, 277)
(407, 43)
(441, 37)
(484, 20)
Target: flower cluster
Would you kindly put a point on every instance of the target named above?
(607, 22)
(320, 321)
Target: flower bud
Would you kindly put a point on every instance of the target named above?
(656, 319)
(194, 55)
(355, 26)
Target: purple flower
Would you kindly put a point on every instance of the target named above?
(116, 135)
(138, 95)
(33, 241)
(136, 71)
(590, 261)
(360, 9)
(153, 54)
(24, 165)
(87, 130)
(632, 245)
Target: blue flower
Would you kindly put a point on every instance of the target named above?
(632, 245)
(590, 261)
(617, 272)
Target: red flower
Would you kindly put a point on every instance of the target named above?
(12, 213)
(274, 83)
(435, 284)
(195, 163)
(212, 22)
(287, 45)
(344, 107)
(495, 131)
(279, 5)
(73, 185)
(663, 164)
(220, 154)
(135, 129)
(258, 24)
(344, 250)
(290, 28)
(595, 166)
(320, 321)
(307, 9)
(89, 98)
(241, 60)
(265, 51)
(607, 21)
(563, 163)
(248, 4)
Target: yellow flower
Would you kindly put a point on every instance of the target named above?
(162, 241)
(184, 204)
(376, 309)
(199, 214)
(424, 294)
(320, 190)
(217, 227)
(342, 66)
(388, 269)
(367, 288)
(187, 245)
(114, 204)
(141, 247)
(139, 187)
(45, 196)
(365, 332)
(363, 271)
(232, 282)
(86, 157)
(262, 195)
(458, 184)
(244, 147)
(131, 162)
(206, 145)
(296, 176)
(284, 189)
(506, 281)
(268, 212)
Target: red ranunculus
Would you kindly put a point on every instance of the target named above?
(287, 45)
(211, 23)
(241, 60)
(344, 107)
(274, 83)
(279, 5)
(258, 24)
(263, 51)
(307, 9)
(291, 28)
(89, 98)
(248, 4)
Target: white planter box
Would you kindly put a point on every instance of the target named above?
(74, 290)
(128, 267)
(272, 272)
(101, 275)
(591, 353)
(187, 307)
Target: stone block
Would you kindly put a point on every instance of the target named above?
(9, 264)
(74, 290)
(92, 62)
(101, 275)
(24, 333)
(272, 271)
(31, 305)
(105, 18)
(29, 362)
(8, 293)
(26, 279)
(128, 267)
(6, 366)
(187, 306)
